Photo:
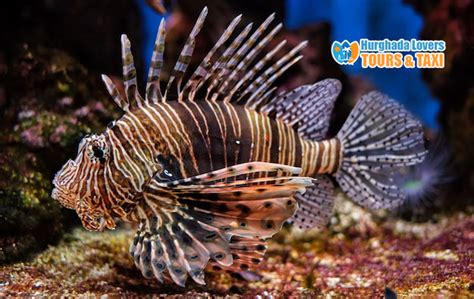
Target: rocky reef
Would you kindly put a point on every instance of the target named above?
(49, 99)
(453, 22)
(49, 102)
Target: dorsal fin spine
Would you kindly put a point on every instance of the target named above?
(203, 69)
(218, 70)
(234, 76)
(268, 107)
(257, 86)
(153, 89)
(261, 90)
(242, 51)
(229, 77)
(186, 54)
(254, 70)
(113, 91)
(262, 100)
(130, 73)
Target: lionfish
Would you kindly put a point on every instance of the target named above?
(212, 166)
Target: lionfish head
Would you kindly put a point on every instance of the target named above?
(77, 184)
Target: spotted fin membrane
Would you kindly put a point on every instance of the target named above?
(214, 217)
(246, 254)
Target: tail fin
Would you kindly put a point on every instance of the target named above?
(379, 137)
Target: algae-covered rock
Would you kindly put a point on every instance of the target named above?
(51, 58)
(49, 101)
(28, 218)
(452, 21)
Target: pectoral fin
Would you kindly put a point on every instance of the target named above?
(213, 217)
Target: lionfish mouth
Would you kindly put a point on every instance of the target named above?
(60, 192)
(64, 197)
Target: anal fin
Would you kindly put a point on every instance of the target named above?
(315, 205)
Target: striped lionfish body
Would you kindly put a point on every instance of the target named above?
(200, 137)
(213, 172)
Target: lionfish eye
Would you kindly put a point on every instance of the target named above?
(99, 153)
